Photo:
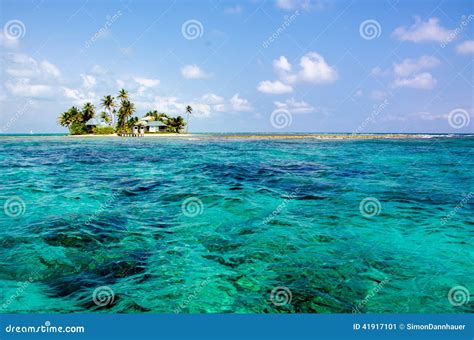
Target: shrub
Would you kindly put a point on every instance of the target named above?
(77, 129)
(103, 130)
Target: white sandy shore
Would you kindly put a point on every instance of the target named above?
(267, 136)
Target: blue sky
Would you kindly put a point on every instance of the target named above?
(248, 66)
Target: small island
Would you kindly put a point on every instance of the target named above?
(117, 118)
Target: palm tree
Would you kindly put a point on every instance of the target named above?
(175, 124)
(123, 95)
(109, 104)
(122, 111)
(189, 110)
(126, 110)
(105, 117)
(73, 119)
(88, 112)
(66, 118)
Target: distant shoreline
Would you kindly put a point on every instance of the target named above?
(257, 136)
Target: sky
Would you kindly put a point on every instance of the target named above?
(246, 66)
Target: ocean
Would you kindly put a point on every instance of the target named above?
(220, 225)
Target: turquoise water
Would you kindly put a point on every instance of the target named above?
(207, 225)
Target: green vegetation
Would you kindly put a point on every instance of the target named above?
(103, 130)
(116, 117)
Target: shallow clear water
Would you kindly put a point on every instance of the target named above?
(205, 225)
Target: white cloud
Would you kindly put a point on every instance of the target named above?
(8, 42)
(466, 47)
(215, 102)
(24, 88)
(234, 10)
(239, 104)
(408, 73)
(172, 105)
(419, 81)
(314, 69)
(88, 81)
(410, 66)
(294, 106)
(193, 72)
(281, 65)
(79, 96)
(307, 5)
(50, 69)
(213, 99)
(274, 87)
(98, 70)
(378, 72)
(120, 83)
(146, 82)
(423, 31)
(24, 66)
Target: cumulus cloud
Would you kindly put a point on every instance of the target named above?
(419, 81)
(219, 104)
(24, 88)
(274, 87)
(50, 69)
(21, 65)
(28, 77)
(466, 47)
(295, 106)
(281, 65)
(239, 104)
(88, 81)
(79, 96)
(410, 66)
(408, 73)
(193, 72)
(423, 31)
(146, 82)
(307, 5)
(313, 68)
(211, 98)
